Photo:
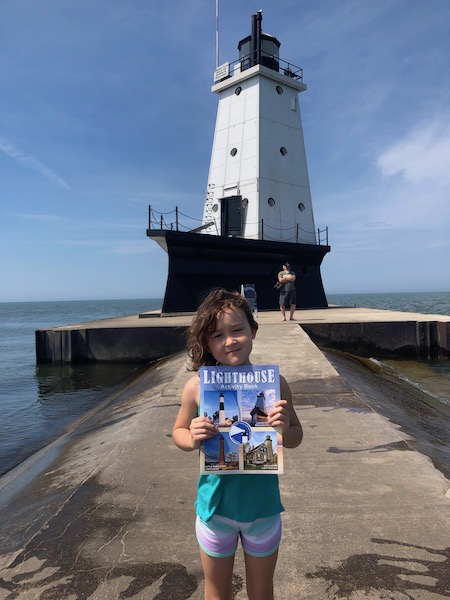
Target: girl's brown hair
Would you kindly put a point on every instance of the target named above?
(204, 324)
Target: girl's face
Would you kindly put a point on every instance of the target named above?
(232, 340)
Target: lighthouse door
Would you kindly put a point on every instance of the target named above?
(231, 216)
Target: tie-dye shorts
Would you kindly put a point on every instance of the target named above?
(219, 536)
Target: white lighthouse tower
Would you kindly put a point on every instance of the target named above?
(257, 212)
(258, 185)
(221, 410)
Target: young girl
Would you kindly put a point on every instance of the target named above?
(232, 506)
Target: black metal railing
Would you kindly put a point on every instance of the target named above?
(294, 234)
(170, 221)
(271, 61)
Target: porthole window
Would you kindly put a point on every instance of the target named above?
(215, 207)
(283, 150)
(271, 202)
(301, 207)
(279, 89)
(244, 202)
(238, 90)
(233, 152)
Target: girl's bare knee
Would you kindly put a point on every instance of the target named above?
(259, 576)
(218, 576)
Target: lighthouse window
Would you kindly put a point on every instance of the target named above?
(279, 89)
(283, 150)
(215, 207)
(271, 202)
(301, 207)
(233, 152)
(244, 203)
(238, 90)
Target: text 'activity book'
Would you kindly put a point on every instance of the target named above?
(239, 400)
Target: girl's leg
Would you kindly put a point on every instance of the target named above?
(259, 572)
(218, 576)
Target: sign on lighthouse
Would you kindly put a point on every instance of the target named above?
(258, 212)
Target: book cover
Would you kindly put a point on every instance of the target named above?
(238, 401)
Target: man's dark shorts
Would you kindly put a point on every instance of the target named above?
(288, 298)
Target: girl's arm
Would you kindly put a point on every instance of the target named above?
(283, 415)
(190, 429)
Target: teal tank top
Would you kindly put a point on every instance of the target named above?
(242, 498)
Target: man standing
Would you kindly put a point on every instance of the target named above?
(288, 298)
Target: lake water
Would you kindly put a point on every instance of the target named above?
(39, 402)
(432, 377)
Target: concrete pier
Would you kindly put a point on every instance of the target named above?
(148, 337)
(107, 511)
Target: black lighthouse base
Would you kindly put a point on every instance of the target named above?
(199, 262)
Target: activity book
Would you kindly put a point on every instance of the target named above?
(239, 400)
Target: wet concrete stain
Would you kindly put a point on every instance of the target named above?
(390, 573)
(176, 583)
(55, 565)
(402, 445)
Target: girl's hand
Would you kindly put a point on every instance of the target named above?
(279, 416)
(202, 428)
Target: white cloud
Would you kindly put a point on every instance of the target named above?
(421, 156)
(32, 163)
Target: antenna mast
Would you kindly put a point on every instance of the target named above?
(217, 34)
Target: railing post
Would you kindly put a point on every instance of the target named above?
(149, 216)
(326, 229)
(176, 217)
(262, 229)
(296, 235)
(318, 235)
(161, 222)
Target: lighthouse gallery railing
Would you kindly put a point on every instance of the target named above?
(171, 221)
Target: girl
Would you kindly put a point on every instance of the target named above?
(232, 506)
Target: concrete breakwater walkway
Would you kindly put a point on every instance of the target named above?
(107, 513)
(147, 337)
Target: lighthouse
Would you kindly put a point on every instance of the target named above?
(258, 413)
(221, 410)
(257, 210)
(258, 185)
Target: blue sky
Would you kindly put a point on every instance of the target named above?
(105, 108)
